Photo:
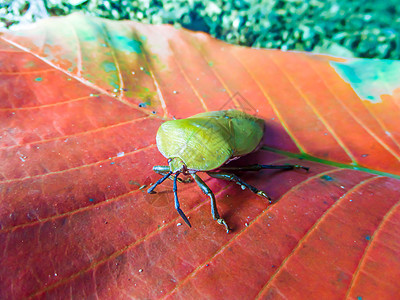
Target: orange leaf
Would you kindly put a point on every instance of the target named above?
(81, 99)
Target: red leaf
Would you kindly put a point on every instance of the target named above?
(81, 101)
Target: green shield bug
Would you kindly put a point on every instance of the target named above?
(205, 143)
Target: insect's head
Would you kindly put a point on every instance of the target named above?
(177, 165)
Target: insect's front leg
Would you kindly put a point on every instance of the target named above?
(161, 180)
(177, 205)
(235, 178)
(214, 211)
(162, 170)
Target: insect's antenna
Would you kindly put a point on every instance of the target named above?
(181, 213)
(150, 190)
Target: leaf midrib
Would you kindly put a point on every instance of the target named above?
(305, 156)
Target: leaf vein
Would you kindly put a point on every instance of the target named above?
(273, 106)
(74, 168)
(189, 82)
(311, 230)
(364, 257)
(315, 111)
(80, 79)
(239, 234)
(74, 134)
(353, 115)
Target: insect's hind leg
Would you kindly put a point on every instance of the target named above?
(258, 167)
(235, 178)
(214, 211)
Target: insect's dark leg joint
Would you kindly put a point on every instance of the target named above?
(177, 206)
(214, 211)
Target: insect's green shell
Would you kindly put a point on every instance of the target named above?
(207, 140)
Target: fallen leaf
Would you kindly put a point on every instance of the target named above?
(81, 101)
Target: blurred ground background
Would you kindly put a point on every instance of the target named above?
(368, 28)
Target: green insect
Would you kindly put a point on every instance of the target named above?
(205, 143)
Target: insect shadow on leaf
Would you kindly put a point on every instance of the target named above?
(205, 143)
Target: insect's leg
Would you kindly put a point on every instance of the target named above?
(163, 170)
(233, 177)
(258, 167)
(150, 190)
(214, 211)
(181, 213)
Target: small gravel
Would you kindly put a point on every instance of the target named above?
(345, 28)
